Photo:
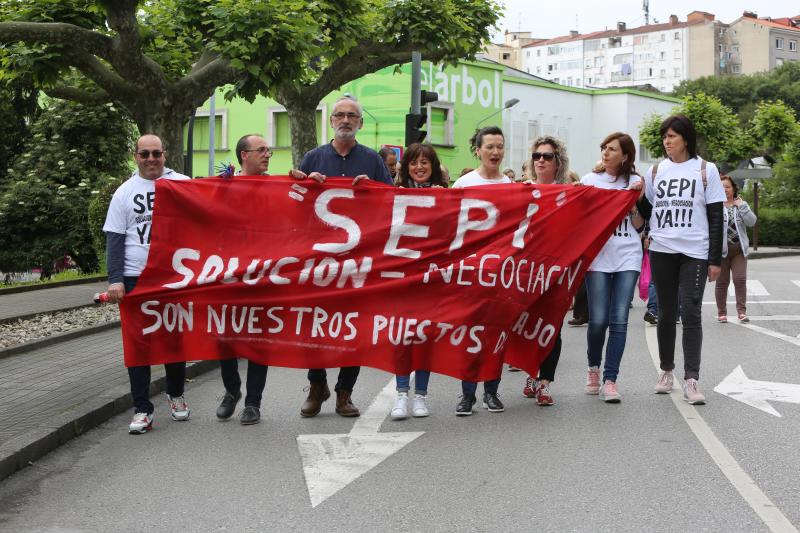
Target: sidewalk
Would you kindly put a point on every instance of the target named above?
(764, 252)
(51, 395)
(44, 300)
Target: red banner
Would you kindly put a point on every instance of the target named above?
(308, 275)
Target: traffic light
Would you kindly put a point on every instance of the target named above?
(415, 121)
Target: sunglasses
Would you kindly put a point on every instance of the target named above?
(145, 154)
(547, 156)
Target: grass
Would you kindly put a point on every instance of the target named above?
(66, 275)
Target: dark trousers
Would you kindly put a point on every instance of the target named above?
(580, 308)
(256, 379)
(679, 279)
(140, 375)
(547, 370)
(347, 377)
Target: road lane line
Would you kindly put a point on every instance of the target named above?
(712, 302)
(754, 288)
(765, 331)
(769, 513)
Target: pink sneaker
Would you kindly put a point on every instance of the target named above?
(665, 382)
(692, 394)
(609, 392)
(593, 380)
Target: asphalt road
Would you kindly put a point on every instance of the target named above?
(649, 463)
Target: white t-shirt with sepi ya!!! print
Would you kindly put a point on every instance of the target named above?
(679, 222)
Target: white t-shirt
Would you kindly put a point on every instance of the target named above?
(679, 222)
(623, 250)
(471, 179)
(131, 213)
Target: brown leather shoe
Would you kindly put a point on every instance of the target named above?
(578, 321)
(317, 393)
(344, 406)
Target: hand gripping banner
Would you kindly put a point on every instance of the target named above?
(309, 275)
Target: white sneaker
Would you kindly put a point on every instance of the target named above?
(178, 409)
(420, 408)
(400, 409)
(665, 382)
(141, 423)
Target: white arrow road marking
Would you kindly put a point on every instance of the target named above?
(796, 282)
(331, 462)
(754, 288)
(769, 513)
(757, 394)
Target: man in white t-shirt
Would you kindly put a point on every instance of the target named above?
(127, 227)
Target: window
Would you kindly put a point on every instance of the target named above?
(737, 69)
(506, 55)
(650, 72)
(201, 130)
(663, 37)
(778, 61)
(538, 53)
(528, 53)
(598, 61)
(663, 56)
(663, 73)
(721, 48)
(677, 36)
(677, 54)
(735, 49)
(538, 69)
(779, 43)
(441, 123)
(793, 46)
(279, 134)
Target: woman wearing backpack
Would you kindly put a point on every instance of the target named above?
(683, 202)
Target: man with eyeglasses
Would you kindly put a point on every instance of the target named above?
(343, 156)
(253, 155)
(127, 227)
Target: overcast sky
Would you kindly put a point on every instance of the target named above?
(555, 18)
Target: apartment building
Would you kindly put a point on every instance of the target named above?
(660, 55)
(751, 44)
(508, 52)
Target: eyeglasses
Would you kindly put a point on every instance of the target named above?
(340, 115)
(547, 156)
(263, 150)
(145, 154)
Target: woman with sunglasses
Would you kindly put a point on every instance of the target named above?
(612, 276)
(550, 165)
(736, 216)
(419, 168)
(683, 202)
(488, 145)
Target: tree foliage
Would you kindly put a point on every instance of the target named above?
(161, 60)
(742, 93)
(72, 151)
(18, 108)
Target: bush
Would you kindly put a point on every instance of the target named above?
(72, 153)
(98, 207)
(779, 227)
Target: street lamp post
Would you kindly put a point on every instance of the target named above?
(506, 105)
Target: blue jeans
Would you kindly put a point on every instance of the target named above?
(469, 387)
(609, 295)
(421, 378)
(652, 299)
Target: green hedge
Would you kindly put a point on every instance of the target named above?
(778, 227)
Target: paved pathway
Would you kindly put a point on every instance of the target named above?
(43, 300)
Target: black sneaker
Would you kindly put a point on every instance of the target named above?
(464, 407)
(493, 403)
(250, 415)
(228, 405)
(650, 318)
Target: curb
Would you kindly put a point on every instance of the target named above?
(778, 253)
(55, 339)
(23, 450)
(67, 283)
(48, 312)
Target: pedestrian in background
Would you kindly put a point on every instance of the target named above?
(737, 216)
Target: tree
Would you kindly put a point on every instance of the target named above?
(720, 138)
(18, 108)
(161, 60)
(72, 152)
